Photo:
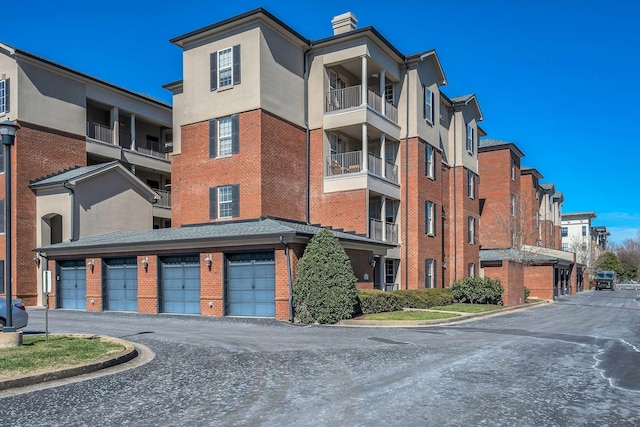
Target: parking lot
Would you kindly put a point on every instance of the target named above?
(573, 362)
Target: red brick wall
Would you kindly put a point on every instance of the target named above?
(461, 253)
(511, 276)
(361, 266)
(148, 284)
(539, 280)
(270, 169)
(37, 152)
(496, 188)
(94, 284)
(530, 207)
(419, 245)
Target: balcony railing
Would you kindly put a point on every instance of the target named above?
(375, 230)
(343, 163)
(390, 171)
(149, 147)
(165, 201)
(349, 97)
(99, 132)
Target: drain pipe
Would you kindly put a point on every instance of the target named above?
(286, 254)
(406, 184)
(455, 198)
(73, 210)
(305, 78)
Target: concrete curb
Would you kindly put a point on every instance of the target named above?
(464, 317)
(129, 353)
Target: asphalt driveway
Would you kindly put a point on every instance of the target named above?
(575, 362)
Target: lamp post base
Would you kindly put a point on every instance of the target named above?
(10, 339)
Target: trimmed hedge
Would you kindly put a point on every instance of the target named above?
(477, 290)
(374, 301)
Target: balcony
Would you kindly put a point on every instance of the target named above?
(165, 201)
(348, 163)
(351, 97)
(376, 228)
(101, 133)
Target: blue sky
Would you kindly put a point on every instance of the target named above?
(559, 78)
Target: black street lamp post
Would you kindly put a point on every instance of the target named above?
(8, 131)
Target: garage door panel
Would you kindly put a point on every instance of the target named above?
(73, 285)
(121, 284)
(180, 285)
(250, 285)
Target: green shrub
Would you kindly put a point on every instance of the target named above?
(477, 290)
(424, 298)
(373, 301)
(527, 292)
(324, 290)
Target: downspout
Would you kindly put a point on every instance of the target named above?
(286, 254)
(455, 198)
(305, 78)
(73, 210)
(406, 185)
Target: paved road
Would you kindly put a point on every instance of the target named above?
(575, 362)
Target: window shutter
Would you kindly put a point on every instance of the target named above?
(435, 220)
(435, 273)
(424, 102)
(213, 133)
(433, 107)
(213, 60)
(235, 200)
(213, 202)
(426, 217)
(7, 100)
(235, 140)
(426, 159)
(236, 64)
(435, 163)
(426, 272)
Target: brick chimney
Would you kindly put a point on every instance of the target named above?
(344, 23)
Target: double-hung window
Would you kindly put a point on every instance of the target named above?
(584, 230)
(388, 93)
(428, 104)
(470, 139)
(223, 136)
(224, 201)
(429, 273)
(513, 170)
(471, 230)
(430, 162)
(513, 204)
(565, 231)
(2, 215)
(471, 184)
(430, 218)
(4, 98)
(472, 269)
(224, 68)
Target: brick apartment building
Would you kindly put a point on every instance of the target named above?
(520, 233)
(274, 136)
(67, 120)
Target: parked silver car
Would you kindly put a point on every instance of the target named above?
(19, 316)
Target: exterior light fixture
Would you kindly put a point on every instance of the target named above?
(208, 261)
(91, 265)
(145, 263)
(372, 262)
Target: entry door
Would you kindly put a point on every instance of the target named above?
(72, 284)
(251, 285)
(180, 285)
(121, 284)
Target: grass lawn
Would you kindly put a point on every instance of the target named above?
(468, 308)
(410, 315)
(62, 351)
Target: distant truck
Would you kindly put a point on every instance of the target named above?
(605, 279)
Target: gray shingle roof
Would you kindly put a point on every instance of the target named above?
(205, 233)
(487, 144)
(514, 254)
(461, 99)
(69, 175)
(548, 186)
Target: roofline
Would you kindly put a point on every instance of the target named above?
(510, 145)
(179, 40)
(358, 32)
(588, 214)
(425, 54)
(18, 52)
(531, 171)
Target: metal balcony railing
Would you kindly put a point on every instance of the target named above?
(343, 163)
(165, 201)
(376, 227)
(99, 132)
(390, 171)
(349, 97)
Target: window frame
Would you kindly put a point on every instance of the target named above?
(471, 269)
(470, 139)
(513, 205)
(3, 96)
(513, 169)
(228, 204)
(429, 110)
(564, 231)
(471, 230)
(471, 187)
(430, 161)
(430, 273)
(225, 141)
(220, 68)
(430, 220)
